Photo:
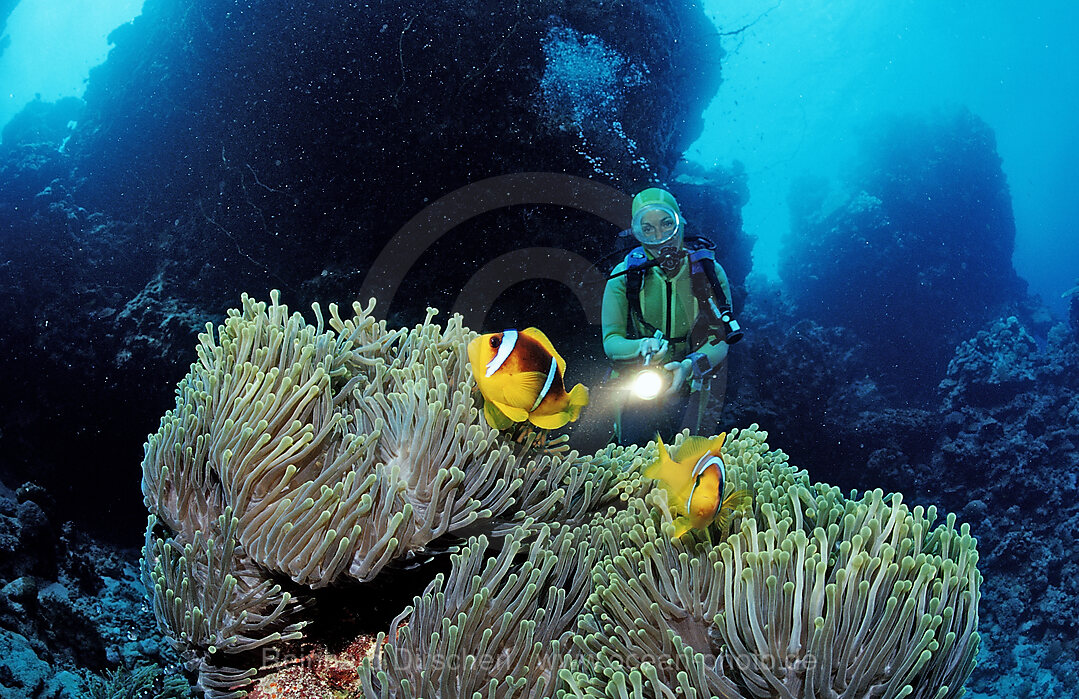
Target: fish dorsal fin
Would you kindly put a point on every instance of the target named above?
(652, 470)
(673, 475)
(537, 335)
(521, 390)
(693, 448)
(699, 454)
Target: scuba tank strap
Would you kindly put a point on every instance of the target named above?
(635, 261)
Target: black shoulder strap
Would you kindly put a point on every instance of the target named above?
(703, 268)
(707, 289)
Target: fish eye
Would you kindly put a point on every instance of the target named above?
(495, 341)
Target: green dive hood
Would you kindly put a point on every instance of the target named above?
(654, 196)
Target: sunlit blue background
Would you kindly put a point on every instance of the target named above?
(53, 45)
(804, 80)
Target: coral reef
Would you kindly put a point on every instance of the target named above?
(299, 455)
(43, 122)
(227, 145)
(998, 448)
(1006, 459)
(997, 445)
(1073, 307)
(814, 384)
(992, 367)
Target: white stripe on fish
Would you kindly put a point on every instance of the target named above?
(547, 386)
(702, 465)
(509, 341)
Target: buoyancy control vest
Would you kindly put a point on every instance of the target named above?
(703, 280)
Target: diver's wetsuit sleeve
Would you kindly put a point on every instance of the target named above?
(615, 312)
(714, 348)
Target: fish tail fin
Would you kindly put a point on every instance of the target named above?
(578, 398)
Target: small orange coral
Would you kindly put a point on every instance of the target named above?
(319, 674)
(295, 682)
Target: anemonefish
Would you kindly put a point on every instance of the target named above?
(520, 377)
(695, 482)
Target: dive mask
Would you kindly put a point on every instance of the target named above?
(656, 224)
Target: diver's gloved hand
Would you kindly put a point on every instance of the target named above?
(655, 347)
(680, 373)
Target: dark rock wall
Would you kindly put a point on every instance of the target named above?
(276, 143)
(42, 122)
(1073, 312)
(309, 133)
(230, 146)
(1006, 460)
(919, 255)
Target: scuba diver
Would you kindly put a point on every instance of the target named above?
(667, 324)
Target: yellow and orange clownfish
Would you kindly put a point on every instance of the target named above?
(520, 377)
(695, 482)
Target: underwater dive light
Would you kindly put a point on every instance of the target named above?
(647, 384)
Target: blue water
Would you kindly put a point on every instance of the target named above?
(804, 80)
(53, 46)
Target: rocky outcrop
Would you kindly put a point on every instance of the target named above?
(999, 447)
(228, 145)
(1007, 462)
(68, 604)
(917, 255)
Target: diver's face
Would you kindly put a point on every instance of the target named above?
(658, 225)
(663, 225)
